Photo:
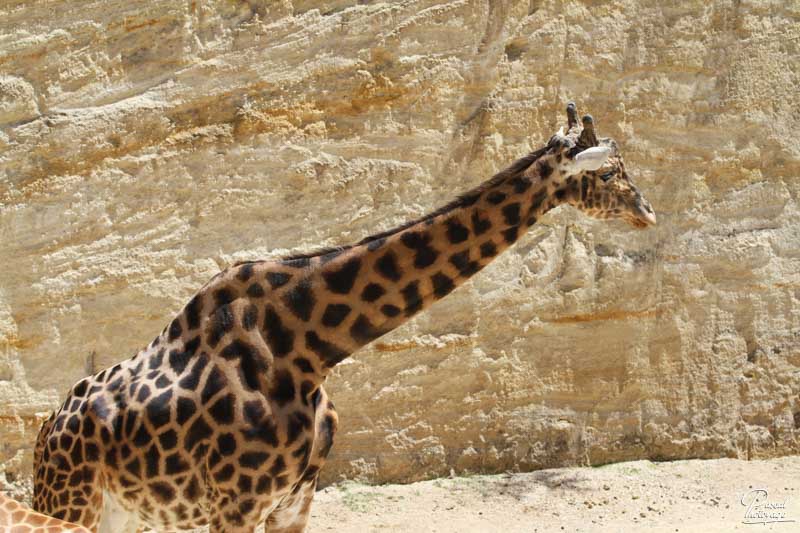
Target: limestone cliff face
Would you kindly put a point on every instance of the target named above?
(145, 145)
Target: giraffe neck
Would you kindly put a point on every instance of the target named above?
(364, 291)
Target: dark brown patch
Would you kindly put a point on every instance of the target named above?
(340, 281)
(488, 249)
(419, 241)
(495, 197)
(372, 292)
(278, 279)
(279, 338)
(334, 314)
(300, 300)
(363, 331)
(387, 266)
(479, 226)
(329, 353)
(442, 285)
(283, 390)
(456, 231)
(390, 310)
(511, 214)
(412, 298)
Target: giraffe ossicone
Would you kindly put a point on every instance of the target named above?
(222, 419)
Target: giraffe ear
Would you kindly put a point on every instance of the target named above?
(592, 158)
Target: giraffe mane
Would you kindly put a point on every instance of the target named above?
(464, 199)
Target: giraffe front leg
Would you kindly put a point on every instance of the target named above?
(115, 519)
(235, 513)
(220, 524)
(291, 515)
(227, 524)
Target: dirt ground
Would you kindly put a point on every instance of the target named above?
(694, 495)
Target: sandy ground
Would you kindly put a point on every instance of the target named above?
(637, 496)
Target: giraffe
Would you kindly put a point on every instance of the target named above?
(223, 420)
(17, 518)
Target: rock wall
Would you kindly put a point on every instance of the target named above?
(145, 145)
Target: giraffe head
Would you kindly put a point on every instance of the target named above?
(592, 175)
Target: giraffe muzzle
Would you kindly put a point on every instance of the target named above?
(645, 216)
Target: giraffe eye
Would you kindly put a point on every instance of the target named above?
(607, 176)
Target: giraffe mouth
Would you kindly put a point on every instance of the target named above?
(644, 216)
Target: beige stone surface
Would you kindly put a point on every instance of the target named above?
(145, 145)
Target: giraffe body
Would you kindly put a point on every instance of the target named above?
(178, 430)
(223, 420)
(15, 517)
